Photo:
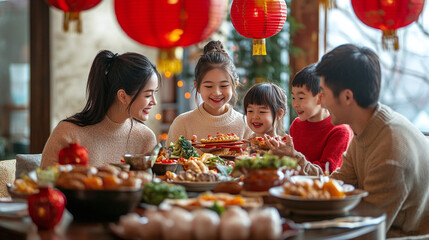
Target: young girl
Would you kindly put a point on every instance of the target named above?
(121, 91)
(215, 81)
(265, 107)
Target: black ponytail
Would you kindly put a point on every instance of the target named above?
(109, 73)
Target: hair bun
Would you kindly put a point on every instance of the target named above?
(214, 46)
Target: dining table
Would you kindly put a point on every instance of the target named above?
(21, 227)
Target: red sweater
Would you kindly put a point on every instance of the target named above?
(321, 142)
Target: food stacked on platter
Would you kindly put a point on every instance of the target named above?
(215, 201)
(259, 145)
(223, 145)
(266, 171)
(317, 188)
(317, 195)
(195, 172)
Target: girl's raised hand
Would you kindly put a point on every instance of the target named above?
(280, 146)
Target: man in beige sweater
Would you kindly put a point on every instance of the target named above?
(388, 156)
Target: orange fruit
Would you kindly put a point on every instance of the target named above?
(334, 189)
(93, 182)
(111, 181)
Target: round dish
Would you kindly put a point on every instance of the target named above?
(197, 186)
(15, 195)
(299, 178)
(162, 168)
(101, 205)
(331, 206)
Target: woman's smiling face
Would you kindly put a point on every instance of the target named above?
(145, 100)
(216, 90)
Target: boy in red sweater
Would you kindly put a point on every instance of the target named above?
(312, 131)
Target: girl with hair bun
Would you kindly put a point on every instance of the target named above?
(121, 91)
(215, 80)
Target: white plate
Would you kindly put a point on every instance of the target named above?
(331, 206)
(197, 186)
(13, 209)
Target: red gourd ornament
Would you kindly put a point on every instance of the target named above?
(73, 154)
(46, 207)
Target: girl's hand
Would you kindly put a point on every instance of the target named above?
(280, 146)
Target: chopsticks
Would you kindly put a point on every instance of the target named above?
(327, 169)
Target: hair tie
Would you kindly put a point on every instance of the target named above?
(109, 66)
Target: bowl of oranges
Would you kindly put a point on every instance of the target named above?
(101, 194)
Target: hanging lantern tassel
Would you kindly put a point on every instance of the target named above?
(170, 61)
(390, 40)
(259, 47)
(327, 4)
(72, 16)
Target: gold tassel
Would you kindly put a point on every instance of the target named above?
(327, 4)
(259, 47)
(390, 40)
(72, 16)
(170, 61)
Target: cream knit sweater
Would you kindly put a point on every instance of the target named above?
(106, 141)
(201, 123)
(390, 160)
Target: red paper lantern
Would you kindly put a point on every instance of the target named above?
(168, 24)
(258, 19)
(388, 16)
(72, 9)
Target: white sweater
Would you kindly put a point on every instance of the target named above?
(201, 123)
(106, 141)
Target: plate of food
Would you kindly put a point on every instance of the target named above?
(218, 141)
(207, 200)
(300, 178)
(328, 198)
(197, 186)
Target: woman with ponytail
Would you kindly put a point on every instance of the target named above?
(121, 91)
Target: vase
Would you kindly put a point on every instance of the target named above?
(46, 207)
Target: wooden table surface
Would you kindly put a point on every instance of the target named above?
(23, 228)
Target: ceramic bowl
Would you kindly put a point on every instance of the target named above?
(101, 205)
(139, 162)
(162, 168)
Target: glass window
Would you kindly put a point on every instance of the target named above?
(14, 77)
(405, 73)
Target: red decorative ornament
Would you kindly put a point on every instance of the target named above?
(388, 16)
(167, 24)
(73, 154)
(46, 207)
(258, 19)
(72, 9)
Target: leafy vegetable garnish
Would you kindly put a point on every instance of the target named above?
(48, 175)
(266, 161)
(223, 169)
(154, 192)
(217, 208)
(213, 161)
(183, 148)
